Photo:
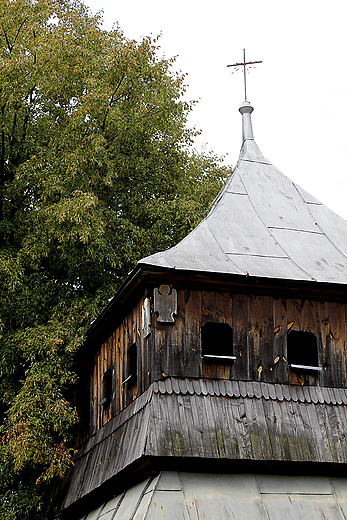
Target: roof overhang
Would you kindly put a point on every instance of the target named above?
(144, 277)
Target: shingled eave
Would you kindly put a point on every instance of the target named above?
(196, 419)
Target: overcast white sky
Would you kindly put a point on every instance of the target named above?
(298, 93)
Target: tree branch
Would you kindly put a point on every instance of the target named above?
(111, 103)
(34, 52)
(112, 137)
(7, 40)
(2, 156)
(19, 30)
(10, 47)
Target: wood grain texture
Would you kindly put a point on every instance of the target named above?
(178, 422)
(260, 324)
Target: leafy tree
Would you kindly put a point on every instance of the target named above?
(96, 171)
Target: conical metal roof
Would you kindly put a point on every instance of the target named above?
(173, 495)
(262, 224)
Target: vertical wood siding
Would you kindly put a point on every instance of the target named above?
(113, 355)
(260, 328)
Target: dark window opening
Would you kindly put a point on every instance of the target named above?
(302, 351)
(107, 389)
(217, 343)
(132, 366)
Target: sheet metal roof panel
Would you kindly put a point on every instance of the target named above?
(131, 500)
(308, 197)
(339, 486)
(107, 516)
(94, 514)
(250, 151)
(309, 507)
(269, 267)
(142, 508)
(315, 254)
(198, 251)
(294, 484)
(222, 497)
(112, 504)
(166, 505)
(332, 225)
(242, 231)
(235, 186)
(275, 197)
(169, 481)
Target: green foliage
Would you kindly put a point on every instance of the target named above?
(96, 171)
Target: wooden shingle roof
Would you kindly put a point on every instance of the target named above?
(262, 224)
(215, 420)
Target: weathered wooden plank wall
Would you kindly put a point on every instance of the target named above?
(113, 355)
(260, 329)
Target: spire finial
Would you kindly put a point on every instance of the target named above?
(247, 130)
(244, 64)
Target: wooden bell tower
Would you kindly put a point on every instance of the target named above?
(214, 383)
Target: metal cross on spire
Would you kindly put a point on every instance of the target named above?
(244, 64)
